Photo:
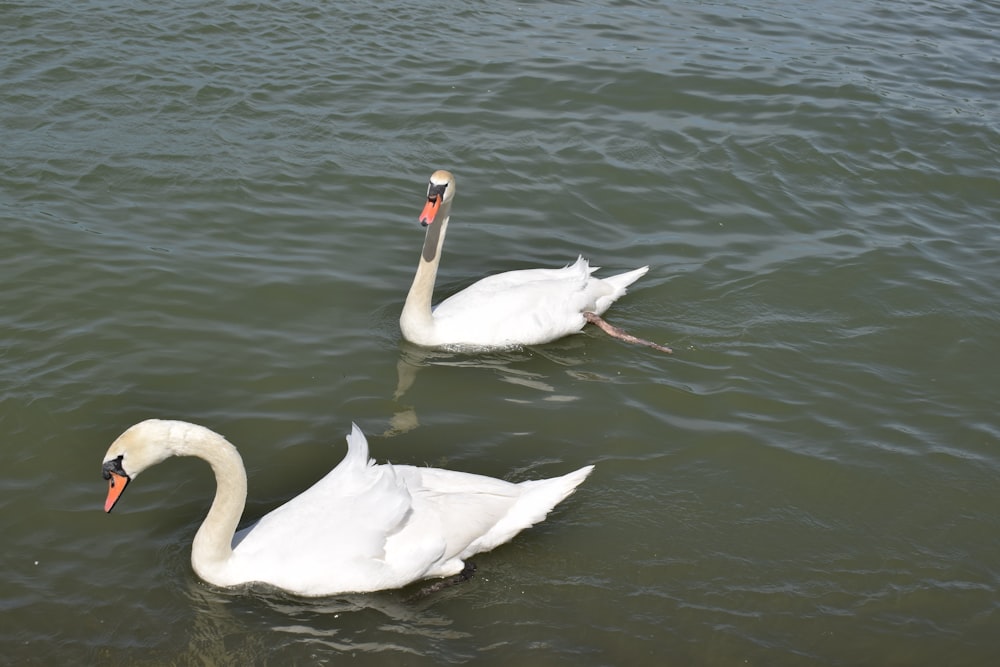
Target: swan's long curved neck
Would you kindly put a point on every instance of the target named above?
(416, 317)
(212, 545)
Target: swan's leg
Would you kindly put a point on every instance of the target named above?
(620, 334)
(441, 584)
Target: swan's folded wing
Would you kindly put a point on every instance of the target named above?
(527, 314)
(325, 541)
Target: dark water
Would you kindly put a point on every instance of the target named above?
(209, 213)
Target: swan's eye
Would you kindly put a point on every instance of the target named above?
(113, 466)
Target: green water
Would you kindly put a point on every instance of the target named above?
(209, 213)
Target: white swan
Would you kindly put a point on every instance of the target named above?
(363, 527)
(526, 307)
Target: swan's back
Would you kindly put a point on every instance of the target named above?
(366, 527)
(529, 306)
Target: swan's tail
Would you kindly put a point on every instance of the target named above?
(613, 288)
(537, 499)
(623, 280)
(541, 495)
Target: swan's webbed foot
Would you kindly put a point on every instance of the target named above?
(621, 334)
(467, 572)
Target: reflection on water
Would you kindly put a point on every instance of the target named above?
(241, 626)
(502, 364)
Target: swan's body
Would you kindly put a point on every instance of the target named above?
(363, 527)
(526, 307)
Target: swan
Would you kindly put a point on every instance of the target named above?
(363, 527)
(526, 307)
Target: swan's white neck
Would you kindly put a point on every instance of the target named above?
(212, 546)
(416, 321)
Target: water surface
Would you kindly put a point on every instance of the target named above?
(209, 213)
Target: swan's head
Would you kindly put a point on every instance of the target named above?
(440, 191)
(141, 446)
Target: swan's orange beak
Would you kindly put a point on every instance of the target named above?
(116, 484)
(430, 210)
